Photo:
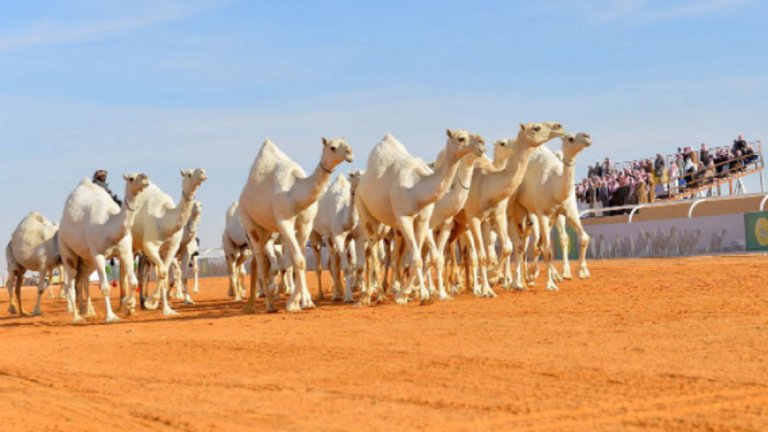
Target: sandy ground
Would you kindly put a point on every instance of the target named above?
(675, 344)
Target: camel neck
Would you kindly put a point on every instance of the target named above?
(432, 187)
(504, 183)
(307, 190)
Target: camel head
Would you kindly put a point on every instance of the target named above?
(536, 134)
(335, 151)
(191, 180)
(134, 184)
(574, 144)
(461, 143)
(503, 149)
(354, 179)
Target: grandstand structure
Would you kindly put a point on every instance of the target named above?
(726, 178)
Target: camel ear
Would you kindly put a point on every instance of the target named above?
(326, 141)
(522, 127)
(185, 173)
(449, 133)
(125, 177)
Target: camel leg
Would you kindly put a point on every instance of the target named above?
(19, 282)
(186, 260)
(348, 261)
(10, 284)
(516, 233)
(41, 285)
(101, 264)
(233, 271)
(412, 261)
(437, 250)
(196, 275)
(128, 282)
(152, 256)
(472, 264)
(564, 246)
(287, 233)
(546, 251)
(475, 226)
(163, 281)
(70, 292)
(361, 247)
(339, 260)
(402, 291)
(583, 244)
(174, 276)
(442, 239)
(499, 219)
(316, 244)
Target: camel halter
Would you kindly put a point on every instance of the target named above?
(325, 169)
(184, 195)
(125, 203)
(572, 164)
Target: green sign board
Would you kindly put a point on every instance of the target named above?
(573, 246)
(756, 231)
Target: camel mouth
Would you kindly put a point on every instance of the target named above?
(350, 158)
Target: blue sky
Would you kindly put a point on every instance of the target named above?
(157, 86)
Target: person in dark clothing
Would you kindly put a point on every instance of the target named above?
(100, 179)
(739, 144)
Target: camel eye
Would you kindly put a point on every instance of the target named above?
(333, 148)
(462, 139)
(537, 128)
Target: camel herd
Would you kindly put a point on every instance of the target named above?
(461, 222)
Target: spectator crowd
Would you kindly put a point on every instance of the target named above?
(611, 185)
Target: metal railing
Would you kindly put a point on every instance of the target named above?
(634, 208)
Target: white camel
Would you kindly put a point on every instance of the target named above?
(236, 251)
(399, 191)
(158, 230)
(489, 194)
(94, 229)
(441, 222)
(545, 190)
(335, 222)
(186, 258)
(34, 246)
(280, 197)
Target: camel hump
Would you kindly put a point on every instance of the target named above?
(232, 209)
(37, 217)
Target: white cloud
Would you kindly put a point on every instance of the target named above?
(46, 31)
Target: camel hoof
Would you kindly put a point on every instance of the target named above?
(552, 287)
(188, 301)
(584, 274)
(12, 310)
(445, 297)
(112, 319)
(35, 313)
(249, 309)
(307, 305)
(292, 306)
(401, 300)
(78, 320)
(349, 299)
(150, 304)
(170, 312)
